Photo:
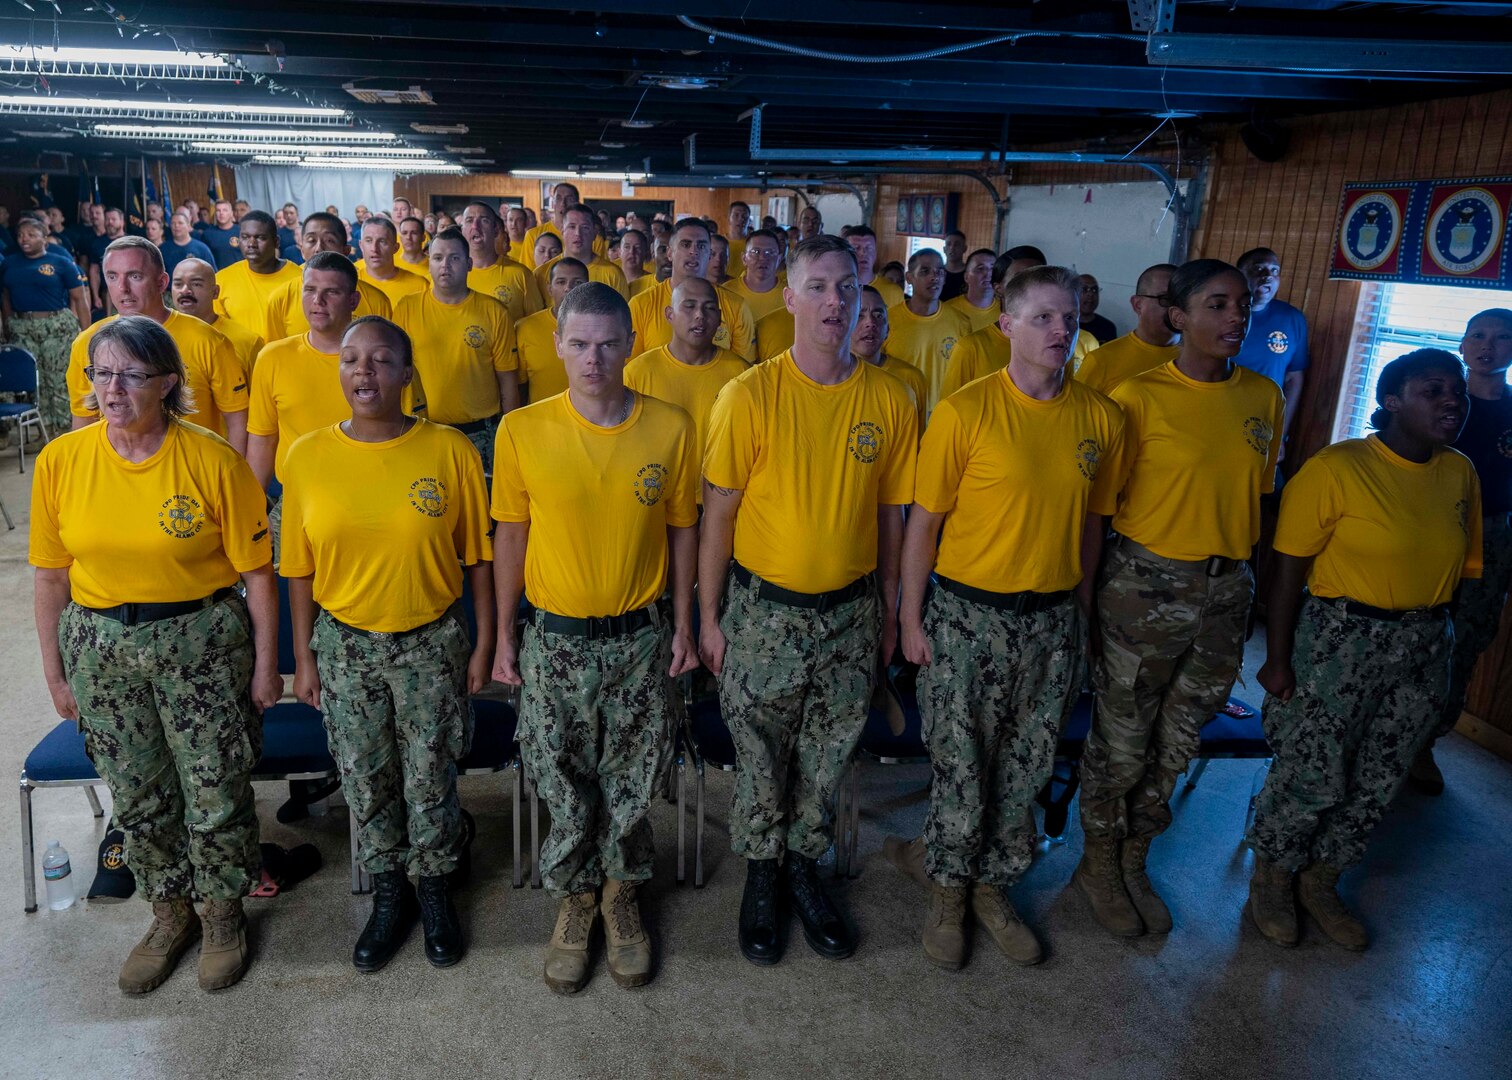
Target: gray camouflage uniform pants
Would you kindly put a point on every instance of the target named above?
(1173, 640)
(1477, 615)
(993, 703)
(50, 340)
(595, 722)
(1367, 694)
(398, 719)
(794, 691)
(168, 721)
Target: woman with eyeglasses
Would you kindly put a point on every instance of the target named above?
(141, 527)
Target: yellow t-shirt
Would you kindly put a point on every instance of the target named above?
(599, 501)
(761, 304)
(422, 267)
(1197, 457)
(297, 389)
(641, 284)
(178, 526)
(1015, 478)
(911, 377)
(402, 284)
(737, 257)
(978, 317)
(737, 330)
(213, 374)
(244, 296)
(1120, 359)
(387, 553)
(509, 282)
(458, 348)
(926, 341)
(692, 388)
(815, 463)
(286, 317)
(526, 254)
(891, 294)
(244, 342)
(775, 334)
(1385, 531)
(600, 269)
(987, 350)
(536, 356)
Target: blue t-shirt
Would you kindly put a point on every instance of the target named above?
(286, 238)
(1487, 441)
(293, 254)
(173, 253)
(94, 247)
(1276, 343)
(40, 284)
(224, 244)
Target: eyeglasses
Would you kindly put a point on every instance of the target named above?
(132, 380)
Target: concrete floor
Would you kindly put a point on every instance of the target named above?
(1214, 999)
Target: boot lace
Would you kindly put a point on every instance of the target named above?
(951, 904)
(577, 918)
(167, 921)
(222, 920)
(994, 906)
(624, 913)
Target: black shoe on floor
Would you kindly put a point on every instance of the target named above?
(301, 794)
(826, 931)
(394, 911)
(438, 916)
(760, 941)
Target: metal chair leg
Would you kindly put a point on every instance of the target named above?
(682, 817)
(535, 839)
(698, 830)
(518, 867)
(28, 849)
(1198, 768)
(842, 821)
(5, 513)
(94, 801)
(21, 446)
(852, 867)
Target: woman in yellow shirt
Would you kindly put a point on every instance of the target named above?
(387, 659)
(1200, 441)
(141, 527)
(1381, 530)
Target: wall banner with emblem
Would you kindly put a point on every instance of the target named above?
(1426, 232)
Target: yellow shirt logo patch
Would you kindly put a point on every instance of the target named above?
(865, 442)
(1088, 454)
(947, 347)
(428, 495)
(722, 337)
(503, 294)
(1258, 434)
(650, 484)
(475, 336)
(47, 270)
(181, 517)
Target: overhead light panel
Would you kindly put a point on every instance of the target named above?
(568, 174)
(637, 125)
(391, 164)
(315, 151)
(379, 95)
(146, 109)
(116, 63)
(464, 149)
(440, 129)
(179, 132)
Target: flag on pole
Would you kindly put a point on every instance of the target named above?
(96, 197)
(215, 184)
(167, 191)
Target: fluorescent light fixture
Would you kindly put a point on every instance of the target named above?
(565, 174)
(277, 159)
(261, 147)
(176, 132)
(401, 165)
(116, 63)
(44, 105)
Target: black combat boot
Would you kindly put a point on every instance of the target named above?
(394, 911)
(760, 941)
(826, 931)
(443, 930)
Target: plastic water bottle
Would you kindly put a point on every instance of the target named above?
(58, 874)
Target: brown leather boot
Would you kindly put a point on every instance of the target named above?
(567, 955)
(1271, 903)
(994, 913)
(907, 856)
(223, 953)
(1100, 880)
(174, 928)
(1318, 886)
(1152, 909)
(945, 926)
(627, 948)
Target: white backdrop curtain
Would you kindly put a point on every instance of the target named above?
(268, 187)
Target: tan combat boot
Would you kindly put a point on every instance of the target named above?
(567, 955)
(1271, 903)
(994, 913)
(223, 953)
(174, 928)
(907, 856)
(1099, 879)
(1152, 909)
(945, 926)
(627, 947)
(1318, 887)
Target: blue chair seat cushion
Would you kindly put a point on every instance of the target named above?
(493, 740)
(16, 408)
(710, 734)
(294, 741)
(877, 737)
(60, 757)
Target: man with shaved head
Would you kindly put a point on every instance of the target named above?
(194, 291)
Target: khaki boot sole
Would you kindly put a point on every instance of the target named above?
(1022, 947)
(224, 979)
(170, 962)
(949, 955)
(1350, 941)
(629, 965)
(1152, 912)
(1124, 930)
(566, 983)
(1269, 935)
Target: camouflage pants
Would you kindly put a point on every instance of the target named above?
(1367, 693)
(50, 340)
(794, 691)
(1477, 616)
(594, 726)
(1173, 640)
(483, 441)
(397, 716)
(993, 704)
(168, 722)
(275, 527)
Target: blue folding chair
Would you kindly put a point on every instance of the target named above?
(703, 740)
(18, 375)
(887, 747)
